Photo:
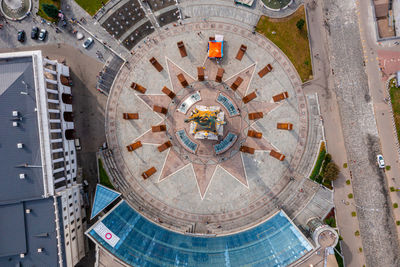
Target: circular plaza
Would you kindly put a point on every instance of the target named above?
(207, 124)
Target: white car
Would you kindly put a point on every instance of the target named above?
(88, 42)
(381, 162)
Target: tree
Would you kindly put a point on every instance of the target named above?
(50, 10)
(300, 24)
(331, 171)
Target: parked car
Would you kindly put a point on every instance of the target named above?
(42, 34)
(87, 43)
(381, 162)
(35, 32)
(21, 36)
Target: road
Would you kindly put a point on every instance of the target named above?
(360, 132)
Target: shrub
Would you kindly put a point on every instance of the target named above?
(397, 222)
(395, 205)
(331, 222)
(350, 195)
(392, 189)
(300, 24)
(353, 214)
(360, 249)
(348, 182)
(331, 171)
(388, 167)
(357, 233)
(344, 165)
(50, 10)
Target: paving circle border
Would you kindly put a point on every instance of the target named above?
(15, 19)
(265, 204)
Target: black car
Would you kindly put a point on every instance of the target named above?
(21, 36)
(35, 33)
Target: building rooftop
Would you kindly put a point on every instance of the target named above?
(19, 124)
(25, 233)
(139, 242)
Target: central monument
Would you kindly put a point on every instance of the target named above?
(206, 122)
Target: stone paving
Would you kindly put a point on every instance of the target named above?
(242, 207)
(378, 233)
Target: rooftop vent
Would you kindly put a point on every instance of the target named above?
(20, 145)
(22, 255)
(15, 113)
(22, 176)
(27, 211)
(40, 250)
(15, 123)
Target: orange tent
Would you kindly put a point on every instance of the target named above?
(215, 49)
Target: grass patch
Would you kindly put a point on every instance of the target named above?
(392, 189)
(350, 196)
(292, 41)
(91, 6)
(348, 182)
(318, 164)
(104, 179)
(395, 205)
(339, 258)
(357, 233)
(353, 214)
(41, 13)
(395, 99)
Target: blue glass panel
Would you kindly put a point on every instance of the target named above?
(223, 100)
(103, 197)
(275, 242)
(226, 143)
(186, 141)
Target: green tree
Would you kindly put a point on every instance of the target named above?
(331, 171)
(300, 24)
(50, 10)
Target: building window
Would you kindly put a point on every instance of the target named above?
(66, 153)
(70, 204)
(65, 208)
(72, 152)
(66, 226)
(78, 219)
(68, 172)
(65, 217)
(79, 226)
(73, 161)
(73, 171)
(67, 243)
(73, 238)
(73, 230)
(66, 235)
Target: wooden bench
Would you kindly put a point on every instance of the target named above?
(131, 116)
(182, 80)
(256, 115)
(249, 97)
(149, 173)
(200, 73)
(182, 49)
(168, 92)
(236, 83)
(280, 97)
(241, 52)
(158, 128)
(254, 134)
(284, 126)
(164, 146)
(265, 71)
(220, 73)
(138, 88)
(246, 149)
(159, 109)
(134, 146)
(155, 64)
(277, 155)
